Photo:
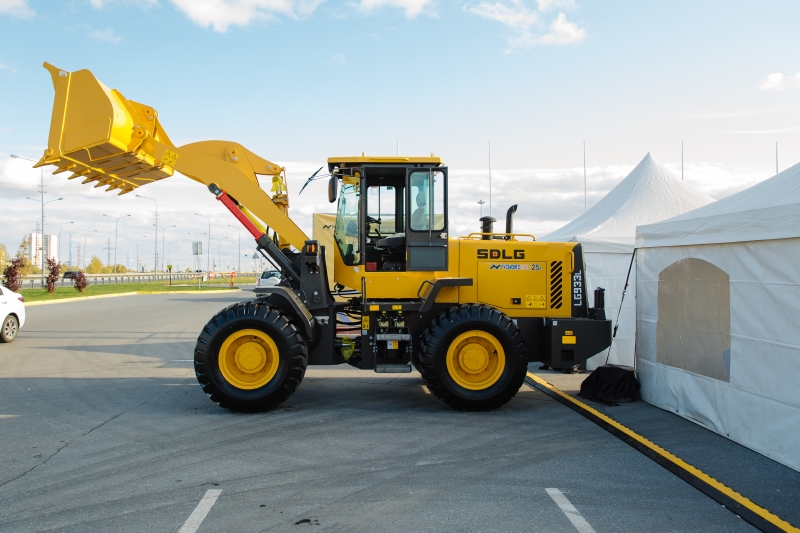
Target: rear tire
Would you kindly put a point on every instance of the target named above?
(473, 358)
(9, 329)
(250, 357)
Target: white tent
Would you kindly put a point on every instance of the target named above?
(718, 300)
(607, 231)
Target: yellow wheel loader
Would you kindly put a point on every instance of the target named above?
(468, 313)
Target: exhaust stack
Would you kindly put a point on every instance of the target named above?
(510, 218)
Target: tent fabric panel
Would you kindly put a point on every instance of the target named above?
(767, 210)
(649, 193)
(765, 342)
(782, 222)
(761, 424)
(756, 406)
(608, 270)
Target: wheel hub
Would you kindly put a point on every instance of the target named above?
(248, 359)
(475, 360)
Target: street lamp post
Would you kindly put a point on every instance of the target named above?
(41, 191)
(116, 222)
(84, 247)
(60, 257)
(42, 239)
(208, 264)
(169, 251)
(219, 247)
(155, 251)
(137, 252)
(480, 203)
(163, 238)
(169, 260)
(197, 238)
(239, 238)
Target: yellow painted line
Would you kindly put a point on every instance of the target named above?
(208, 291)
(80, 298)
(677, 461)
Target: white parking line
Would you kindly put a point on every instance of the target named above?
(568, 509)
(200, 512)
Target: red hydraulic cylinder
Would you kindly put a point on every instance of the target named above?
(227, 202)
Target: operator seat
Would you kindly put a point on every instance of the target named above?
(419, 218)
(398, 240)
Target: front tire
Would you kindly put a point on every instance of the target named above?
(250, 357)
(473, 358)
(9, 329)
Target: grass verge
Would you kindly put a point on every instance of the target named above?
(39, 295)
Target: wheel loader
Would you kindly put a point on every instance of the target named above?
(469, 313)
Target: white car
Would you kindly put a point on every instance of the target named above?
(269, 278)
(12, 311)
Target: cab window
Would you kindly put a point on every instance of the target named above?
(381, 206)
(347, 231)
(427, 201)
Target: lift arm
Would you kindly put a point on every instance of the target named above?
(110, 141)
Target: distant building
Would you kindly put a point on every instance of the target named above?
(35, 250)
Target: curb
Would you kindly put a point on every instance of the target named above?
(209, 291)
(80, 298)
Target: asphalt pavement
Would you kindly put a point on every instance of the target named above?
(103, 427)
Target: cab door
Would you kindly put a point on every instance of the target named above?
(426, 223)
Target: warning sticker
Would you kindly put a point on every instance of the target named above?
(365, 323)
(170, 158)
(535, 301)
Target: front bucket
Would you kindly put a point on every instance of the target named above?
(99, 135)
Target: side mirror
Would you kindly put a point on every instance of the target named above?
(333, 184)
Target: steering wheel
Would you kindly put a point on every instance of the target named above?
(377, 221)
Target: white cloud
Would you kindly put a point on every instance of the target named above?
(337, 59)
(222, 14)
(760, 132)
(722, 114)
(563, 32)
(778, 82)
(411, 7)
(516, 16)
(547, 5)
(8, 68)
(100, 4)
(547, 199)
(16, 8)
(106, 35)
(527, 24)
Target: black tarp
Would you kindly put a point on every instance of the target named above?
(610, 384)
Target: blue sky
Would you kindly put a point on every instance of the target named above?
(298, 82)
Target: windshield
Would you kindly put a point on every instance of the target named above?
(347, 229)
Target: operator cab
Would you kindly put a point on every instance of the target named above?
(392, 213)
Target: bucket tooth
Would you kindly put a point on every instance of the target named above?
(127, 190)
(92, 178)
(103, 182)
(79, 174)
(66, 168)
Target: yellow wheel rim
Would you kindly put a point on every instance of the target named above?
(248, 359)
(475, 360)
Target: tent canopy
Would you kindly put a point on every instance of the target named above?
(650, 193)
(768, 210)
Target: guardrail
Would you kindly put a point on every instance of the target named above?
(31, 281)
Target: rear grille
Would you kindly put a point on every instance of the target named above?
(556, 292)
